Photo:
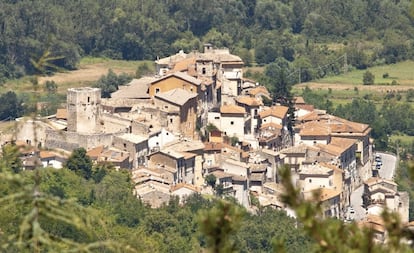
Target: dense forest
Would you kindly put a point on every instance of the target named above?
(51, 210)
(311, 34)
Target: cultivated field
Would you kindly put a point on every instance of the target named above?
(402, 73)
(89, 71)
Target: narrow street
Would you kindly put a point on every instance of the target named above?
(387, 171)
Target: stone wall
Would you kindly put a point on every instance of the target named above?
(71, 140)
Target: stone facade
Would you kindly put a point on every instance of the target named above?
(83, 106)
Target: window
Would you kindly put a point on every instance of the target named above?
(203, 71)
(89, 99)
(310, 180)
(124, 145)
(157, 90)
(216, 117)
(171, 120)
(231, 122)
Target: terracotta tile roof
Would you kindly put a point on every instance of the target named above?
(250, 101)
(327, 194)
(135, 89)
(342, 142)
(376, 180)
(331, 149)
(213, 146)
(172, 59)
(232, 109)
(309, 108)
(176, 96)
(315, 169)
(298, 149)
(271, 125)
(188, 155)
(46, 154)
(94, 153)
(114, 155)
(278, 111)
(259, 89)
(299, 100)
(183, 185)
(314, 129)
(257, 177)
(180, 75)
(220, 174)
(185, 64)
(62, 113)
(312, 116)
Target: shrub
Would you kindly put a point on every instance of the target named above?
(368, 78)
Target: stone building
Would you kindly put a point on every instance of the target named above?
(83, 106)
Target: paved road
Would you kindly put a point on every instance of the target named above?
(387, 171)
(356, 203)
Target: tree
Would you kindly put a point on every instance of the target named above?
(278, 75)
(143, 69)
(110, 82)
(368, 78)
(80, 163)
(211, 180)
(10, 159)
(218, 225)
(51, 87)
(10, 106)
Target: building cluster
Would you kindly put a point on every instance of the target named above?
(199, 116)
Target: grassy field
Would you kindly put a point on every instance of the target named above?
(403, 139)
(90, 70)
(342, 88)
(401, 72)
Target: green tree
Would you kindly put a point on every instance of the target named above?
(278, 76)
(211, 180)
(10, 160)
(51, 87)
(10, 106)
(80, 163)
(368, 78)
(110, 82)
(219, 225)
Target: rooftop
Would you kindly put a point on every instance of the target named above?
(232, 109)
(180, 75)
(133, 138)
(315, 169)
(277, 111)
(135, 89)
(250, 101)
(177, 96)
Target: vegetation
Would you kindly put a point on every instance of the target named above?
(313, 35)
(79, 215)
(110, 82)
(368, 78)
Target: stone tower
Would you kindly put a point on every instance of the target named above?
(83, 109)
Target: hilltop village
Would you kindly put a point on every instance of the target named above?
(199, 126)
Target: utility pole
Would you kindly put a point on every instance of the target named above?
(300, 78)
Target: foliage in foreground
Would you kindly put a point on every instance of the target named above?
(50, 210)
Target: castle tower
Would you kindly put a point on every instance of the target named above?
(83, 109)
